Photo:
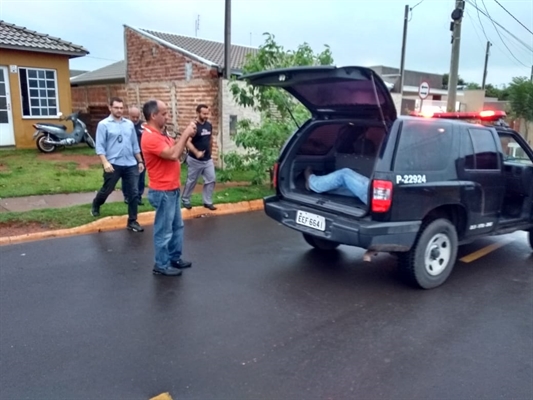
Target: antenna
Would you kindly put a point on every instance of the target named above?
(197, 25)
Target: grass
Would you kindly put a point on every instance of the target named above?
(79, 215)
(28, 172)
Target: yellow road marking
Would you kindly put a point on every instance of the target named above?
(484, 251)
(162, 396)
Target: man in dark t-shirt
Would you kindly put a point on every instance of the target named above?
(199, 160)
(135, 117)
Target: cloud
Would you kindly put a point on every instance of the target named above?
(359, 32)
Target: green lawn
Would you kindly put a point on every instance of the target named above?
(28, 172)
(79, 215)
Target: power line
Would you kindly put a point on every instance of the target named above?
(516, 19)
(499, 34)
(501, 26)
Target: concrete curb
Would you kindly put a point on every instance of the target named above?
(119, 222)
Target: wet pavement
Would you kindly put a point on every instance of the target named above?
(260, 315)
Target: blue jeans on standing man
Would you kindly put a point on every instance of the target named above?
(344, 182)
(168, 226)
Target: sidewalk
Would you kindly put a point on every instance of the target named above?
(21, 204)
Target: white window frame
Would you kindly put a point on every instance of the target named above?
(56, 89)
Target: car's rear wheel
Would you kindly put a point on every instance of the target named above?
(320, 244)
(431, 260)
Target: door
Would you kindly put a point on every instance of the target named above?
(7, 134)
(482, 167)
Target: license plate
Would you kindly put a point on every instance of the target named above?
(311, 220)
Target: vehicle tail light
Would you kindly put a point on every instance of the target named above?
(381, 196)
(275, 175)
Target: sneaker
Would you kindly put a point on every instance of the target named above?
(95, 211)
(181, 264)
(210, 206)
(135, 227)
(186, 205)
(169, 271)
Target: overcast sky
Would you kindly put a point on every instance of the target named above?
(360, 32)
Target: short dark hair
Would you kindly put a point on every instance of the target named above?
(199, 107)
(150, 108)
(115, 100)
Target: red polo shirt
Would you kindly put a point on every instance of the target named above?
(162, 174)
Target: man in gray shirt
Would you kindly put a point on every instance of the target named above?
(118, 149)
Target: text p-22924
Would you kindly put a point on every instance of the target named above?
(410, 179)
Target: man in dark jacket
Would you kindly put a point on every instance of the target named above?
(135, 117)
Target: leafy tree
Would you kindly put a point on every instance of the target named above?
(262, 142)
(446, 78)
(521, 99)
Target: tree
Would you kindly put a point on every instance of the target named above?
(521, 99)
(262, 142)
(446, 78)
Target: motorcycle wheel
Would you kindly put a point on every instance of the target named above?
(45, 147)
(90, 141)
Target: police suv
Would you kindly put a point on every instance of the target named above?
(436, 181)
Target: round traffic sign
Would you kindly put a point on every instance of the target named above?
(423, 90)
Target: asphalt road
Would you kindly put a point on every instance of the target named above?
(259, 316)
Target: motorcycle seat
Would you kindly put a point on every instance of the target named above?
(53, 125)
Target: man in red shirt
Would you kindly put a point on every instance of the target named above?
(161, 155)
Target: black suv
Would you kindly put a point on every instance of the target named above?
(434, 183)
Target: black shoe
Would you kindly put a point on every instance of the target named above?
(140, 202)
(166, 271)
(135, 227)
(186, 205)
(210, 206)
(181, 264)
(95, 211)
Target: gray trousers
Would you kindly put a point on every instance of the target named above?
(195, 169)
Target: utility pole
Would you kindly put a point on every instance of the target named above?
(531, 79)
(455, 27)
(227, 41)
(197, 26)
(486, 65)
(404, 41)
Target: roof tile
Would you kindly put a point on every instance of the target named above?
(16, 36)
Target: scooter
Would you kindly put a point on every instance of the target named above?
(51, 136)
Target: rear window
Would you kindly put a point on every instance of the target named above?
(343, 139)
(424, 146)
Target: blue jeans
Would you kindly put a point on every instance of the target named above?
(142, 178)
(168, 226)
(344, 182)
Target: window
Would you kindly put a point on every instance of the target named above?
(38, 88)
(513, 151)
(485, 152)
(424, 146)
(232, 125)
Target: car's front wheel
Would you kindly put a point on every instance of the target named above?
(531, 239)
(320, 244)
(431, 260)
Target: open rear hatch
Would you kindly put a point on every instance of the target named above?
(340, 97)
(354, 91)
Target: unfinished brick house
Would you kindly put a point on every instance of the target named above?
(179, 70)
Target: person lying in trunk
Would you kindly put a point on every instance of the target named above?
(344, 181)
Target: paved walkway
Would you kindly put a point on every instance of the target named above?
(20, 204)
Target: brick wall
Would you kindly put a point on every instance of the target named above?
(96, 95)
(232, 110)
(155, 71)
